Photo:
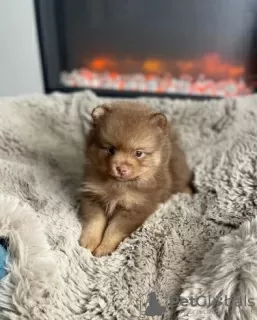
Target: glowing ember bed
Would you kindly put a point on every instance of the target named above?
(208, 76)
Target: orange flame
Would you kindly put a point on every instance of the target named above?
(210, 65)
(153, 66)
(102, 63)
(185, 66)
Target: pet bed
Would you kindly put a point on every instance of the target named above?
(191, 247)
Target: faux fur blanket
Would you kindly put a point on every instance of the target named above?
(190, 260)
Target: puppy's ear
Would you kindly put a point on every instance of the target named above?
(99, 111)
(159, 120)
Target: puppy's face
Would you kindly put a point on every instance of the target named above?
(126, 142)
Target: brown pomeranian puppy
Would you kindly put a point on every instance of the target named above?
(133, 163)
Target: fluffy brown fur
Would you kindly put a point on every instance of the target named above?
(133, 163)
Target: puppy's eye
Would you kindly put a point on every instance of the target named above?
(111, 150)
(139, 154)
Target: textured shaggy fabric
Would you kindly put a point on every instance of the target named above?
(32, 265)
(226, 281)
(41, 167)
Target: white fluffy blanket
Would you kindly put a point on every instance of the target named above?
(191, 247)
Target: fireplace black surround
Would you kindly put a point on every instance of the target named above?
(193, 43)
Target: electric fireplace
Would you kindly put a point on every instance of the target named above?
(184, 48)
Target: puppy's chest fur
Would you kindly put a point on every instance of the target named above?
(112, 196)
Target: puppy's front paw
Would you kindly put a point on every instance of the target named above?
(102, 250)
(89, 241)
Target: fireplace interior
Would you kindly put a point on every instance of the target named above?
(169, 47)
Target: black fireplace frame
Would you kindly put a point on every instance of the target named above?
(50, 30)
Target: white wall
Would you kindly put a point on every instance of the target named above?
(20, 66)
